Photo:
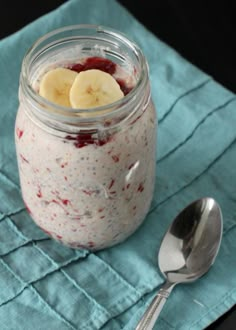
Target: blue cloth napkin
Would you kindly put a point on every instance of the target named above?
(44, 285)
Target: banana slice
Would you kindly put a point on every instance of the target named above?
(56, 84)
(94, 88)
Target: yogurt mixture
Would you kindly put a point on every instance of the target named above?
(84, 190)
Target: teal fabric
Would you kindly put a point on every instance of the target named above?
(44, 285)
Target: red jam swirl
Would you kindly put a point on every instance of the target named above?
(102, 64)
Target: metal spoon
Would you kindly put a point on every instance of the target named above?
(187, 251)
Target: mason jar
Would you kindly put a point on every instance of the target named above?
(86, 175)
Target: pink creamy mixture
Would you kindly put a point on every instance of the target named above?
(84, 191)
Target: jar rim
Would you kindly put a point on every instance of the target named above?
(91, 114)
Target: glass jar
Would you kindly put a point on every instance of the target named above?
(87, 175)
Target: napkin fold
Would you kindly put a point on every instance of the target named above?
(44, 285)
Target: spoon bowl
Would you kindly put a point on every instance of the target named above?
(187, 251)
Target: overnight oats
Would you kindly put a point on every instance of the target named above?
(85, 136)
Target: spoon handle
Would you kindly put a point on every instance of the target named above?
(149, 318)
